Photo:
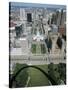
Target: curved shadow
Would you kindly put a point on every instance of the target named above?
(46, 75)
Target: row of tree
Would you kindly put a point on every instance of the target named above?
(57, 72)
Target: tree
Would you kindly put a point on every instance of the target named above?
(52, 71)
(62, 71)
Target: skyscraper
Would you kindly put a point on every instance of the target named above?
(63, 19)
(59, 17)
(22, 14)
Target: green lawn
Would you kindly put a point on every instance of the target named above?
(37, 78)
(38, 48)
(23, 75)
(43, 49)
(33, 48)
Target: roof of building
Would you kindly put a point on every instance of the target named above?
(12, 24)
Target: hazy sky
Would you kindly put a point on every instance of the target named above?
(21, 4)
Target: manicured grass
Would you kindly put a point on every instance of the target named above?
(43, 49)
(23, 75)
(38, 48)
(37, 78)
(33, 48)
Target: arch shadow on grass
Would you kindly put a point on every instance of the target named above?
(53, 82)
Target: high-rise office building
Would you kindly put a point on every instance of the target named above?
(22, 14)
(63, 19)
(18, 30)
(29, 17)
(59, 17)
